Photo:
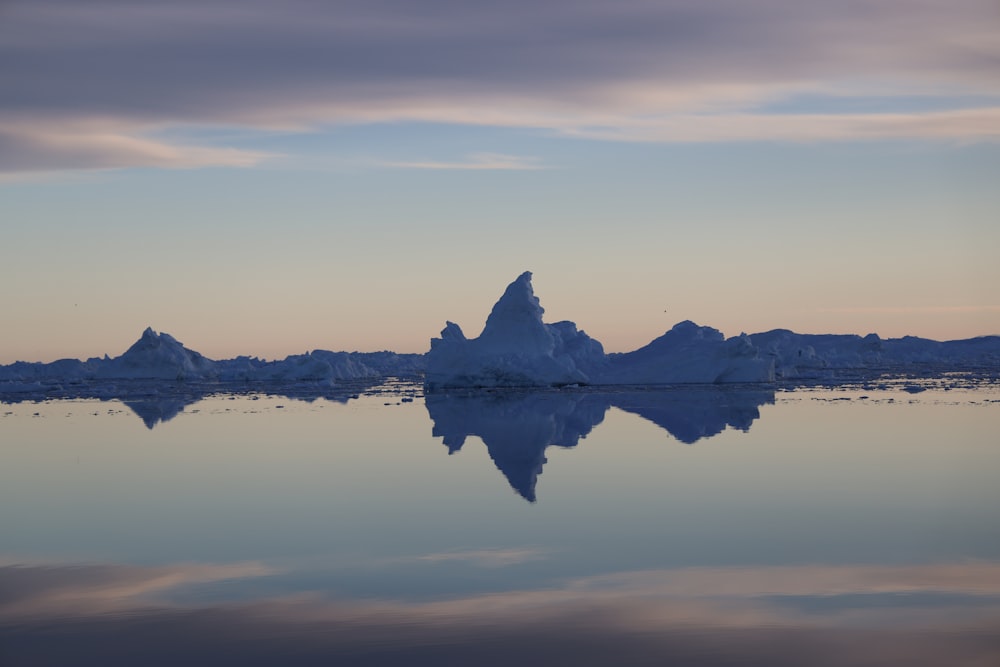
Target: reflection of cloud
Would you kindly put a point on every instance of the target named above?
(484, 557)
(92, 614)
(981, 578)
(95, 589)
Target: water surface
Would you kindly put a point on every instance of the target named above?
(700, 525)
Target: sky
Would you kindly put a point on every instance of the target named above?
(265, 178)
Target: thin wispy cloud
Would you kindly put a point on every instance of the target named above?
(115, 72)
(959, 126)
(40, 146)
(913, 310)
(475, 162)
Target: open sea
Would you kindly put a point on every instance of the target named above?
(378, 525)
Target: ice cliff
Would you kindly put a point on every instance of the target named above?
(516, 348)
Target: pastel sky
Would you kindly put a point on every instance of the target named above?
(263, 177)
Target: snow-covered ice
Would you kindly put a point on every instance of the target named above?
(689, 354)
(517, 348)
(160, 356)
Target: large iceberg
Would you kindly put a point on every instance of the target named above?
(517, 348)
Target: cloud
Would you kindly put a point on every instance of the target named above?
(913, 310)
(43, 147)
(678, 70)
(960, 126)
(476, 162)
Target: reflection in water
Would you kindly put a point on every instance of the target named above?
(517, 426)
(160, 408)
(942, 614)
(153, 410)
(692, 414)
(331, 539)
(156, 402)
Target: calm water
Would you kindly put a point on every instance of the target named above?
(699, 526)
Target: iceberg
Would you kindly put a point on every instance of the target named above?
(691, 354)
(517, 349)
(161, 357)
(798, 356)
(157, 356)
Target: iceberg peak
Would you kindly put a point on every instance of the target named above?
(515, 323)
(516, 348)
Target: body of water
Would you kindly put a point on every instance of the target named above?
(852, 525)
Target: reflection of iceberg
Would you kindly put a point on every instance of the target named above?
(517, 426)
(697, 412)
(153, 410)
(156, 402)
